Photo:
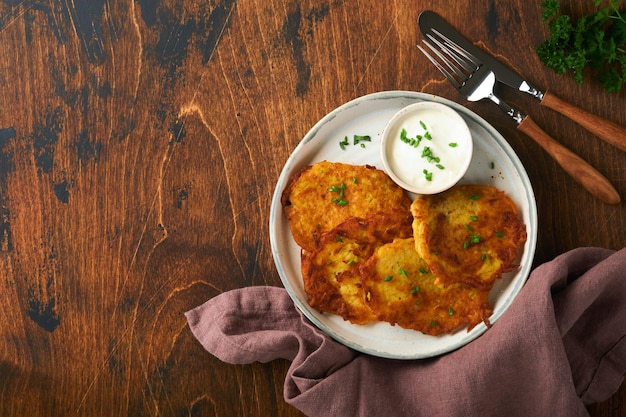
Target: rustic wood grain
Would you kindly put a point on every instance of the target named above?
(140, 143)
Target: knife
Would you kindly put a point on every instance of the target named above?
(605, 129)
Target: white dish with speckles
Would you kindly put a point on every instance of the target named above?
(494, 162)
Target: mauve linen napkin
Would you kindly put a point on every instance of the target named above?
(561, 345)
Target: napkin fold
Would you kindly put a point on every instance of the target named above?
(559, 346)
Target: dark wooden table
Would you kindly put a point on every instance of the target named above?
(140, 143)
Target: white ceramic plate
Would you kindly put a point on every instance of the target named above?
(494, 162)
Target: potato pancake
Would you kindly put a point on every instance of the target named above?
(324, 195)
(469, 234)
(401, 290)
(331, 274)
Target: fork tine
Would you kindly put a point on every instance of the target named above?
(443, 55)
(440, 67)
(467, 67)
(459, 66)
(450, 45)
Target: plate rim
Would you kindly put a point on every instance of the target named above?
(276, 210)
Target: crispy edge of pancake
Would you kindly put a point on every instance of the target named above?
(331, 273)
(401, 290)
(307, 200)
(469, 234)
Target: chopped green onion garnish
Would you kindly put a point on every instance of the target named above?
(343, 143)
(388, 278)
(414, 142)
(357, 139)
(453, 144)
(341, 190)
(403, 135)
(339, 202)
(428, 154)
(475, 238)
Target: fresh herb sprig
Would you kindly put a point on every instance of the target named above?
(596, 40)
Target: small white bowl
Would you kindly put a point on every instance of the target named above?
(426, 147)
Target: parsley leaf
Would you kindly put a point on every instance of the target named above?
(550, 9)
(596, 41)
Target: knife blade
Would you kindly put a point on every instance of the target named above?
(605, 129)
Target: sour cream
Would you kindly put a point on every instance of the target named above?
(426, 147)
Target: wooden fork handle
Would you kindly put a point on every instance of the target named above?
(574, 165)
(599, 126)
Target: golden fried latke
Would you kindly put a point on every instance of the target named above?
(401, 290)
(324, 195)
(331, 272)
(469, 234)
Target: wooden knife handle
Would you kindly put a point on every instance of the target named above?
(578, 168)
(601, 127)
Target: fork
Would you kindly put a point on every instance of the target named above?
(476, 82)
